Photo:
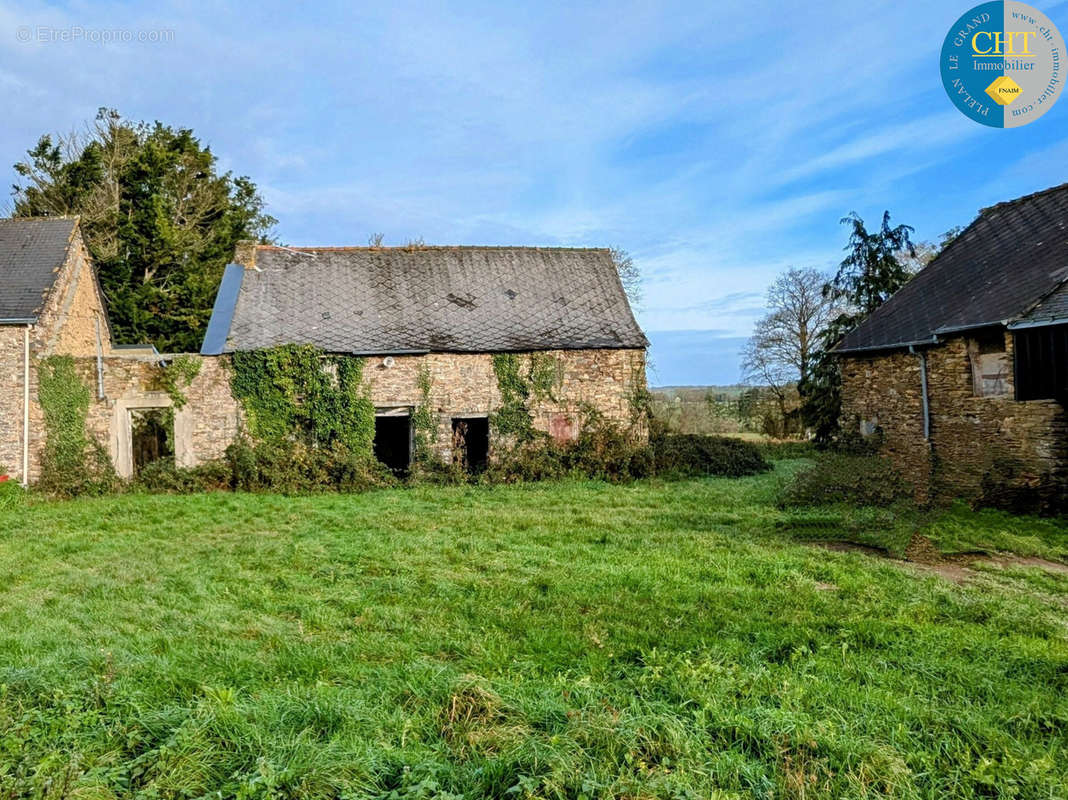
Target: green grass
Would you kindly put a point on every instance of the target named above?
(961, 530)
(557, 640)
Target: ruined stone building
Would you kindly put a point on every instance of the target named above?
(964, 371)
(440, 311)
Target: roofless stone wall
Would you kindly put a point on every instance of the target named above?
(970, 432)
(462, 385)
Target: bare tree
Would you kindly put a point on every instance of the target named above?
(781, 351)
(925, 252)
(629, 275)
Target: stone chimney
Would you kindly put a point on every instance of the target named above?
(245, 253)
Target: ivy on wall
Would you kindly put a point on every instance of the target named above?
(296, 392)
(176, 377)
(639, 398)
(73, 462)
(424, 421)
(522, 381)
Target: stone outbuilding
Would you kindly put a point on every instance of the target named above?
(445, 311)
(964, 371)
(439, 311)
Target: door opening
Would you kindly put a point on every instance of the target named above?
(393, 442)
(470, 443)
(151, 436)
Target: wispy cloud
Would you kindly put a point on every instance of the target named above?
(717, 142)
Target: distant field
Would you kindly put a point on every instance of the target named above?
(570, 640)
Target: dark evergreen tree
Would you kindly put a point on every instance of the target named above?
(873, 269)
(160, 222)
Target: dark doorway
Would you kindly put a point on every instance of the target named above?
(151, 436)
(470, 443)
(393, 442)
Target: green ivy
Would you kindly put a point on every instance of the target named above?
(639, 398)
(296, 392)
(521, 381)
(178, 376)
(424, 421)
(73, 462)
(545, 376)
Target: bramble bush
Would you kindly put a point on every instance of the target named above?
(686, 455)
(858, 480)
(605, 452)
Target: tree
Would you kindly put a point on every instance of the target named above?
(871, 272)
(926, 252)
(159, 221)
(629, 275)
(872, 269)
(784, 341)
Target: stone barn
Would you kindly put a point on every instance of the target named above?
(443, 312)
(964, 371)
(446, 311)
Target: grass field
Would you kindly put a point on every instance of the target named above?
(573, 640)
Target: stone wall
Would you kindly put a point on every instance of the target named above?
(465, 385)
(969, 432)
(73, 321)
(462, 385)
(11, 399)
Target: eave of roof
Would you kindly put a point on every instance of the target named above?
(1012, 254)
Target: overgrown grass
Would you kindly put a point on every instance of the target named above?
(574, 639)
(961, 530)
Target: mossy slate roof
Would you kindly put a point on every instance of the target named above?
(32, 252)
(997, 271)
(431, 299)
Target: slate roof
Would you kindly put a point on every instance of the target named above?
(1008, 259)
(425, 299)
(1051, 309)
(32, 251)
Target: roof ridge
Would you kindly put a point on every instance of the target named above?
(411, 248)
(1024, 198)
(43, 218)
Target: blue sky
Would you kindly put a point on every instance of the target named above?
(718, 143)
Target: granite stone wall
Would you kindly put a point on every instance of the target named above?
(462, 385)
(11, 399)
(971, 431)
(72, 322)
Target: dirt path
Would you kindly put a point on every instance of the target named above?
(921, 554)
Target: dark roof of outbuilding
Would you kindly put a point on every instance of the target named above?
(32, 251)
(1012, 255)
(1053, 308)
(422, 299)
